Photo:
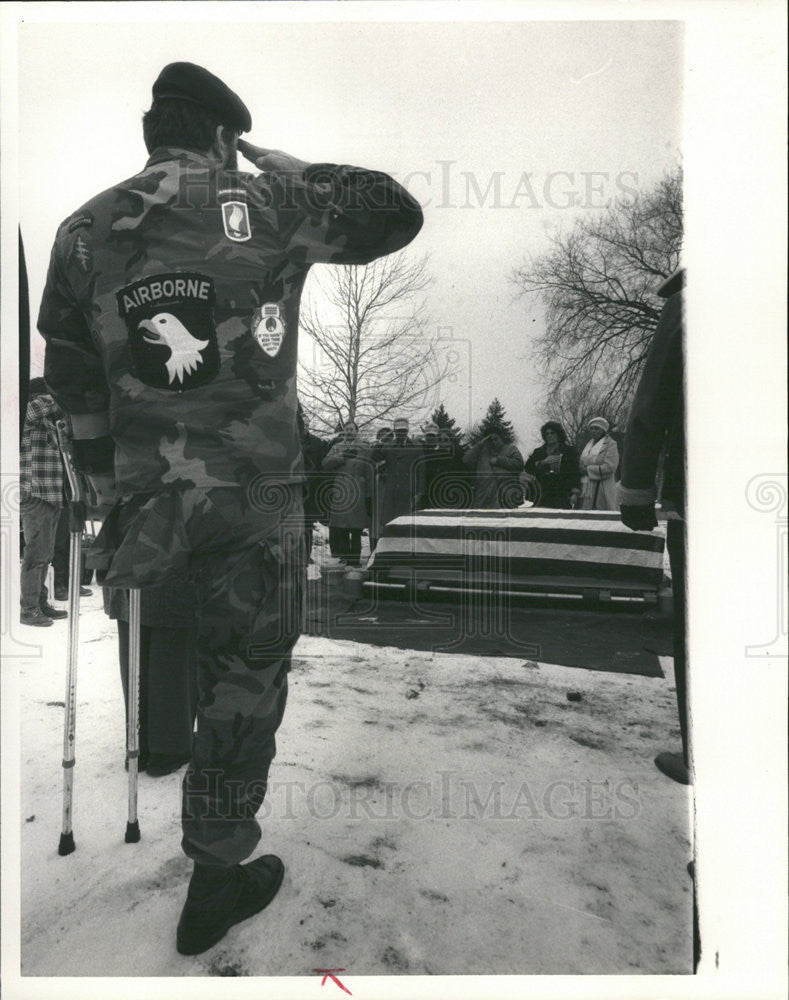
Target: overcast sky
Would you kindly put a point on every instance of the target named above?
(458, 112)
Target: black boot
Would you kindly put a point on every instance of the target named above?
(53, 613)
(674, 766)
(61, 593)
(218, 898)
(35, 617)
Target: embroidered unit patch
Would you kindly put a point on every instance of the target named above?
(170, 322)
(268, 327)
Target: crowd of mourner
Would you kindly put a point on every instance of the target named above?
(358, 484)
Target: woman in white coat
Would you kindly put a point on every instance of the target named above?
(599, 461)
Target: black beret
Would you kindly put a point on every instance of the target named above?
(184, 81)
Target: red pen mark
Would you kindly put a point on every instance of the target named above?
(329, 974)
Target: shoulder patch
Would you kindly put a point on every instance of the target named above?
(80, 221)
(235, 214)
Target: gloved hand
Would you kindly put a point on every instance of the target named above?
(639, 518)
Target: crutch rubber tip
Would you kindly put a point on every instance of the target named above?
(132, 832)
(66, 845)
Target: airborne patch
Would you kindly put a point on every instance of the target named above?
(268, 327)
(170, 322)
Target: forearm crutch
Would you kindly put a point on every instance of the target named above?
(132, 721)
(76, 527)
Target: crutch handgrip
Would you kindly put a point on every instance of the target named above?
(76, 489)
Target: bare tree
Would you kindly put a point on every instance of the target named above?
(597, 283)
(574, 405)
(371, 359)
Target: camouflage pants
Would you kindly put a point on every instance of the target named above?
(246, 563)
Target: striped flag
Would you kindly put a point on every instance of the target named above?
(520, 549)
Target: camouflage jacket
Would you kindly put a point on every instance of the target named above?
(171, 312)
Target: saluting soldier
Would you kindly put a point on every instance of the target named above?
(171, 314)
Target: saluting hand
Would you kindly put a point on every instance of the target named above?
(271, 160)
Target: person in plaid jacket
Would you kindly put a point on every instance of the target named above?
(41, 502)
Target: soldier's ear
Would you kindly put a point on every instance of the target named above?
(224, 144)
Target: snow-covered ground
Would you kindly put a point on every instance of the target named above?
(436, 814)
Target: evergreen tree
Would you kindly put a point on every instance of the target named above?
(494, 422)
(363, 330)
(443, 421)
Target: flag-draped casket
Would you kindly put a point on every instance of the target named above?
(527, 549)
